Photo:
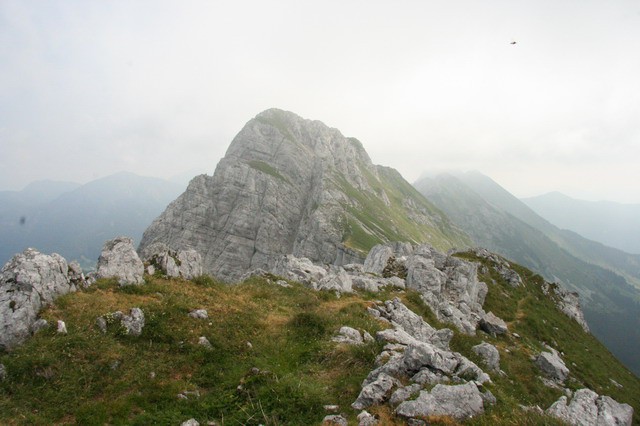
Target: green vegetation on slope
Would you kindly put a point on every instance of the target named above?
(268, 169)
(87, 377)
(370, 220)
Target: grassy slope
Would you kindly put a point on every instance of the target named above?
(73, 378)
(370, 221)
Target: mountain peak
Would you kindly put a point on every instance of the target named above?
(289, 185)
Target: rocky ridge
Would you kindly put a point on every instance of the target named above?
(293, 186)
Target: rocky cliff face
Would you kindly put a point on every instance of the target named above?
(288, 185)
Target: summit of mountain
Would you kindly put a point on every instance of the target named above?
(289, 185)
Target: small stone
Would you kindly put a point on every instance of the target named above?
(39, 325)
(203, 341)
(115, 364)
(101, 322)
(3, 373)
(62, 327)
(199, 314)
(152, 375)
(249, 345)
(334, 419)
(190, 422)
(181, 396)
(331, 408)
(134, 322)
(366, 419)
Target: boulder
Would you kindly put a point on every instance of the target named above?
(492, 324)
(552, 366)
(458, 401)
(62, 327)
(120, 260)
(587, 408)
(29, 282)
(338, 280)
(489, 354)
(298, 269)
(134, 322)
(184, 263)
(349, 335)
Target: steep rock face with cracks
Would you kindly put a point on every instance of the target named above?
(288, 185)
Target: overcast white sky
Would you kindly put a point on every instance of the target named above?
(89, 88)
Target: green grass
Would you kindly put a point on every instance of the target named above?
(268, 169)
(290, 369)
(371, 221)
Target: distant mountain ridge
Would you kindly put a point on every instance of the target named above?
(75, 220)
(288, 185)
(613, 224)
(498, 221)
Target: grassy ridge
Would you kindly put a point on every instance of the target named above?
(290, 370)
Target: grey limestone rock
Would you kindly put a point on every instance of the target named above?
(366, 419)
(587, 408)
(190, 422)
(403, 393)
(335, 419)
(375, 392)
(568, 302)
(134, 322)
(62, 327)
(120, 260)
(402, 318)
(552, 365)
(203, 341)
(199, 314)
(448, 285)
(299, 269)
(29, 282)
(184, 263)
(348, 335)
(458, 401)
(502, 266)
(284, 187)
(39, 325)
(489, 355)
(492, 324)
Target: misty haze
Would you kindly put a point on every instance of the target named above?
(366, 213)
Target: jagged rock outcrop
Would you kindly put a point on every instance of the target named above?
(448, 285)
(568, 302)
(120, 260)
(293, 186)
(185, 264)
(29, 282)
(587, 408)
(419, 354)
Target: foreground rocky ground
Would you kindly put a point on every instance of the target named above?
(411, 336)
